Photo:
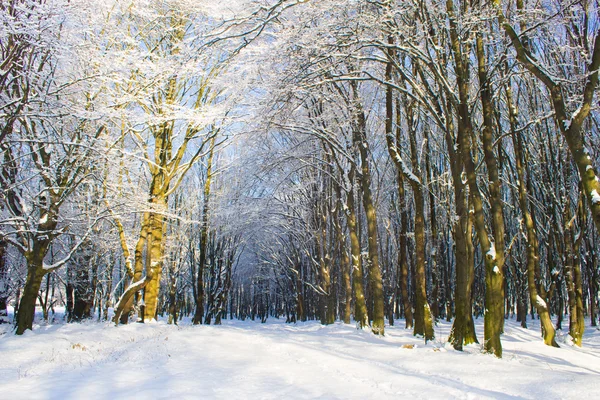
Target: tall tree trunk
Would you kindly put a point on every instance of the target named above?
(327, 309)
(495, 286)
(375, 279)
(360, 305)
(423, 318)
(594, 277)
(108, 288)
(300, 306)
(155, 249)
(199, 314)
(402, 255)
(35, 275)
(3, 284)
(392, 143)
(35, 266)
(434, 254)
(493, 260)
(126, 302)
(344, 259)
(573, 277)
(532, 253)
(83, 298)
(172, 297)
(463, 327)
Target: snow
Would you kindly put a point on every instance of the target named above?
(595, 197)
(249, 360)
(492, 252)
(541, 302)
(406, 171)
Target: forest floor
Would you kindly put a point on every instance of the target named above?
(250, 360)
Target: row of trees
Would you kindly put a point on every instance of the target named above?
(106, 109)
(334, 160)
(477, 120)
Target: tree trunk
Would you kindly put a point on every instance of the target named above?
(126, 302)
(494, 293)
(360, 306)
(434, 253)
(82, 292)
(108, 288)
(327, 309)
(3, 284)
(344, 259)
(463, 327)
(532, 253)
(573, 278)
(154, 265)
(375, 280)
(300, 307)
(594, 277)
(403, 260)
(35, 275)
(493, 259)
(423, 318)
(402, 242)
(172, 299)
(199, 314)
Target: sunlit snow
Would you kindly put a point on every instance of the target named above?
(250, 360)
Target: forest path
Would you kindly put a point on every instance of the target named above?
(249, 360)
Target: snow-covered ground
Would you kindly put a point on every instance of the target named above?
(250, 360)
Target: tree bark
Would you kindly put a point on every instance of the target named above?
(35, 264)
(3, 284)
(154, 265)
(463, 327)
(495, 284)
(126, 302)
(345, 266)
(402, 254)
(532, 253)
(360, 306)
(35, 275)
(573, 278)
(423, 317)
(199, 314)
(375, 279)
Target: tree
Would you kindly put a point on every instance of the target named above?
(47, 154)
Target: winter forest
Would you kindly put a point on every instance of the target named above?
(420, 175)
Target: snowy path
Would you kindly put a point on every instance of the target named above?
(248, 360)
